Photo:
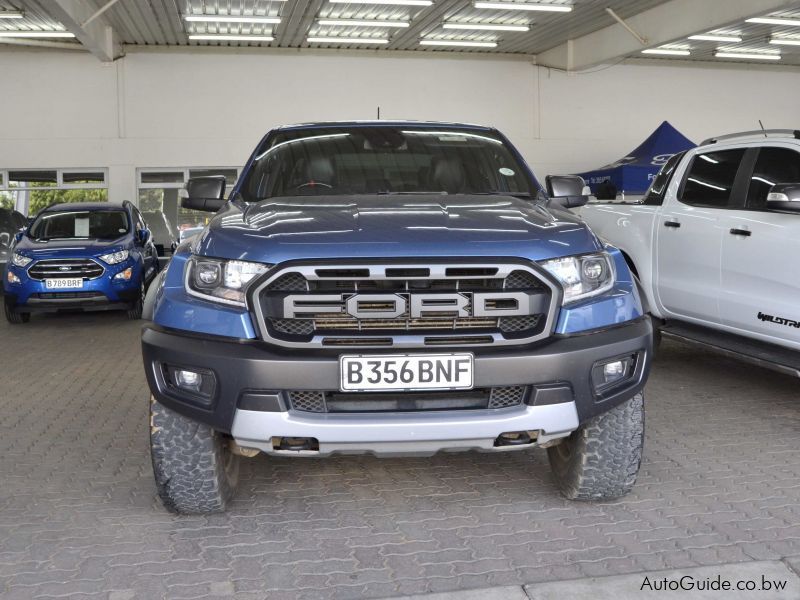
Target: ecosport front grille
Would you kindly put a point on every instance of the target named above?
(84, 268)
(405, 305)
(319, 401)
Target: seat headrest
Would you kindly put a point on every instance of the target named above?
(320, 168)
(447, 174)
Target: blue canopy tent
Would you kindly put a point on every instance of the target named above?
(634, 173)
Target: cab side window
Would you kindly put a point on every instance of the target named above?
(773, 165)
(710, 179)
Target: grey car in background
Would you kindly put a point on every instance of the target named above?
(10, 223)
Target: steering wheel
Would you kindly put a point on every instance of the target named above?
(314, 184)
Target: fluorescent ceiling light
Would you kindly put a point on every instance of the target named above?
(486, 27)
(361, 23)
(713, 37)
(231, 38)
(523, 6)
(745, 55)
(11, 14)
(229, 19)
(458, 43)
(346, 40)
(666, 51)
(785, 42)
(386, 2)
(37, 34)
(775, 21)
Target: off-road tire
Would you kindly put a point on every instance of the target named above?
(601, 459)
(194, 469)
(15, 317)
(135, 311)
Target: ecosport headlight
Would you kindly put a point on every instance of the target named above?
(582, 276)
(221, 280)
(115, 257)
(20, 261)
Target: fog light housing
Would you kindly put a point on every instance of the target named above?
(613, 372)
(11, 277)
(124, 275)
(196, 383)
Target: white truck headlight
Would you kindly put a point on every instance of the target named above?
(220, 280)
(20, 261)
(582, 276)
(115, 257)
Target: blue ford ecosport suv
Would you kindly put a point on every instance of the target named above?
(392, 288)
(91, 256)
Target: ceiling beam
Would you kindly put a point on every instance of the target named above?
(668, 22)
(96, 35)
(422, 22)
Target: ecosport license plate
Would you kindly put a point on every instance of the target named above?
(62, 284)
(406, 372)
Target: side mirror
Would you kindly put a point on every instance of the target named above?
(205, 193)
(5, 238)
(142, 236)
(29, 221)
(18, 236)
(567, 191)
(784, 197)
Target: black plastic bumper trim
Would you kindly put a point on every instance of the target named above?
(256, 368)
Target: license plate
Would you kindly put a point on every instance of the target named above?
(62, 284)
(406, 372)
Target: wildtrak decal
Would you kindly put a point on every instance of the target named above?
(779, 320)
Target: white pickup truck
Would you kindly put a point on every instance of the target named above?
(715, 245)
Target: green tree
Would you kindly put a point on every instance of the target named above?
(42, 198)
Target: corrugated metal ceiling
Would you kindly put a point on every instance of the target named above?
(161, 23)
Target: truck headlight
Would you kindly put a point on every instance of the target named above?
(20, 261)
(115, 257)
(582, 276)
(221, 280)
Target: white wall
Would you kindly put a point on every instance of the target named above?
(179, 108)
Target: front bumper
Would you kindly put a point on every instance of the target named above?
(243, 369)
(101, 293)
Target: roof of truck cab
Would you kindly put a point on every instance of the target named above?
(83, 206)
(382, 123)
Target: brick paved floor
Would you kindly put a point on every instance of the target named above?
(79, 517)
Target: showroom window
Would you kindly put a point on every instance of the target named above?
(159, 196)
(711, 177)
(773, 166)
(31, 190)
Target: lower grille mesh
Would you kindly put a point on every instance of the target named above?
(319, 401)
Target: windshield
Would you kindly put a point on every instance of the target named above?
(96, 224)
(383, 160)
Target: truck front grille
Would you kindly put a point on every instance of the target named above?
(85, 268)
(317, 401)
(410, 305)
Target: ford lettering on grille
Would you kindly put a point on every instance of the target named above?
(391, 306)
(405, 305)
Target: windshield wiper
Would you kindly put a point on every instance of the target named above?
(503, 193)
(390, 193)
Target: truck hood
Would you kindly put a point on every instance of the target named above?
(366, 226)
(67, 248)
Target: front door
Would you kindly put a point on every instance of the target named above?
(689, 237)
